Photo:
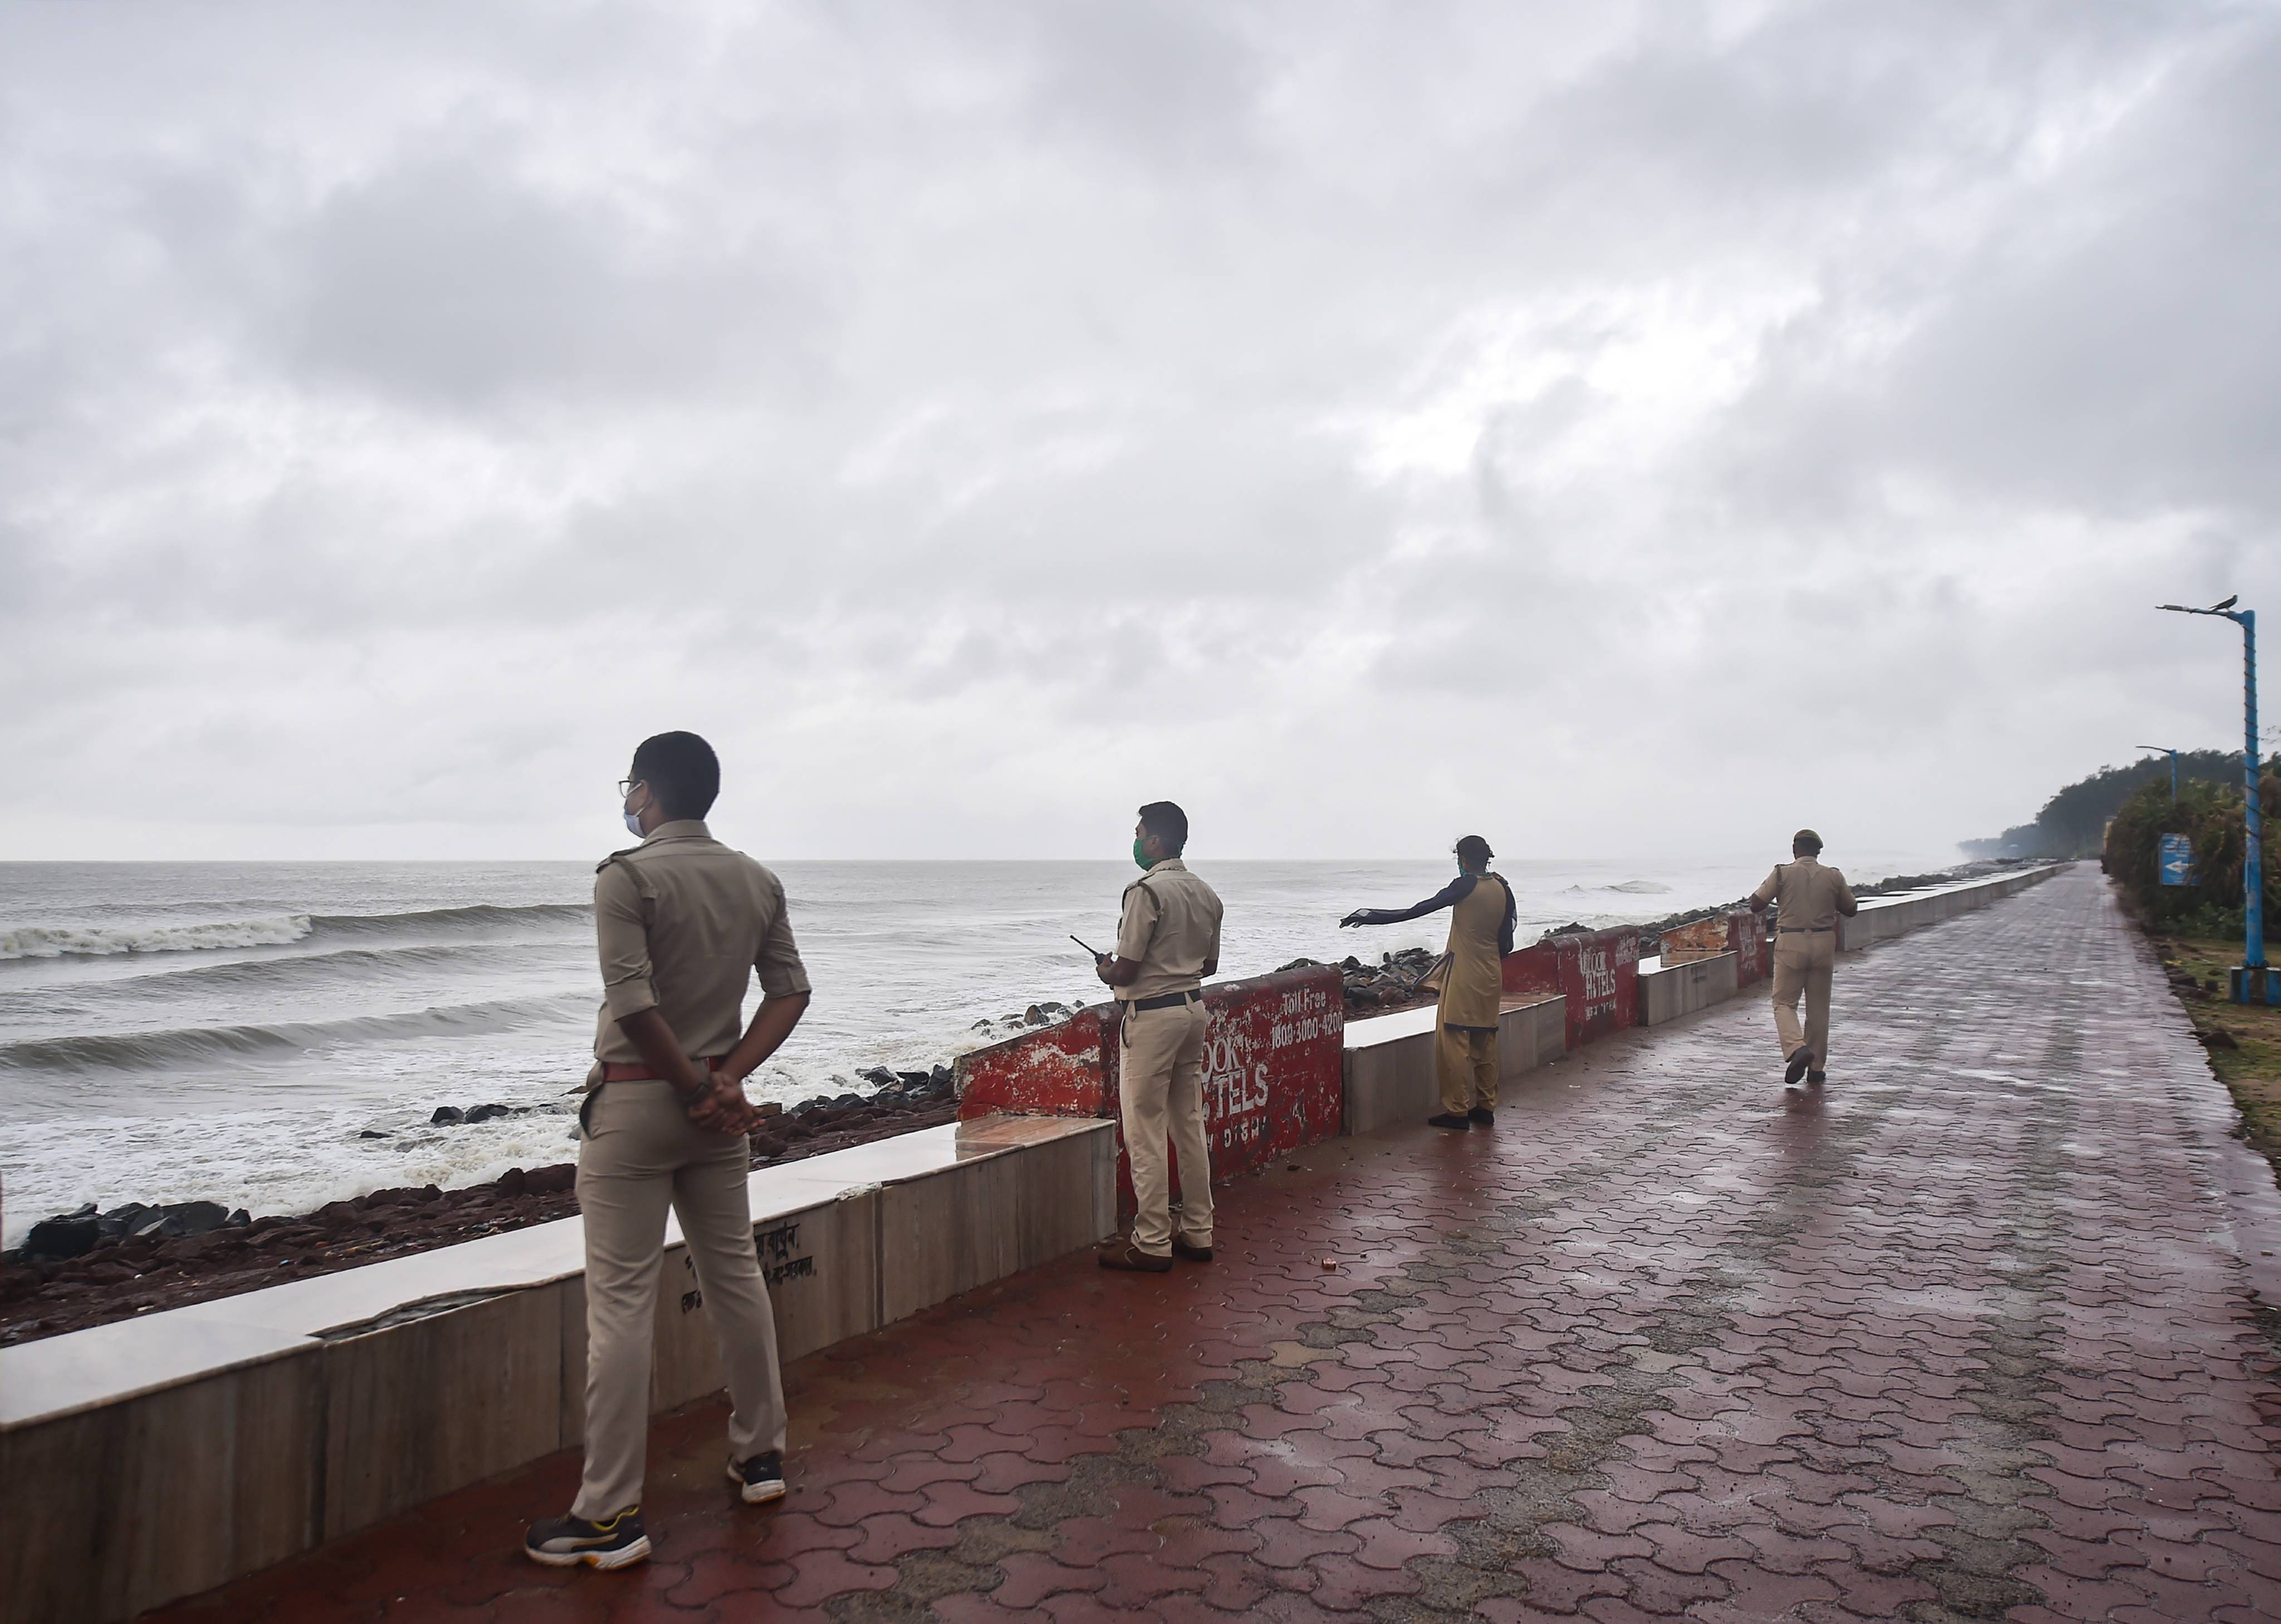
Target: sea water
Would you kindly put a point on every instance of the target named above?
(274, 1036)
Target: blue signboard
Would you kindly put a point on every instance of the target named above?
(2177, 860)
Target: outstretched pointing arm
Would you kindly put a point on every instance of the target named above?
(1448, 896)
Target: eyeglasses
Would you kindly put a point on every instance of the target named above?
(626, 786)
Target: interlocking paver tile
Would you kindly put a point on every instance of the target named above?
(1960, 1331)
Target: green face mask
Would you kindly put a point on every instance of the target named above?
(1140, 857)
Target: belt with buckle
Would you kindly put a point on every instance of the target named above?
(1167, 1001)
(638, 1071)
(630, 1071)
(1810, 930)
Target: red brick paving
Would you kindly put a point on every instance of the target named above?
(1966, 1336)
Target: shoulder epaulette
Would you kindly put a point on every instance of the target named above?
(614, 857)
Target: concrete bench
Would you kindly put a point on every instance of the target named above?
(1389, 1059)
(1668, 992)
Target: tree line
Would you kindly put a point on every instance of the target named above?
(2073, 823)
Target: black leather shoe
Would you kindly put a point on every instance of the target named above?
(1800, 1058)
(1814, 1079)
(1182, 1248)
(1450, 1118)
(1481, 1116)
(1126, 1255)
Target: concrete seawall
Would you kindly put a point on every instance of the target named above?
(156, 1458)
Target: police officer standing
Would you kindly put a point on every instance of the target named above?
(1809, 900)
(1471, 977)
(1167, 942)
(682, 922)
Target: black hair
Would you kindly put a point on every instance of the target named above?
(681, 771)
(1168, 823)
(1473, 851)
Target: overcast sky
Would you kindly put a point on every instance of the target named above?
(1614, 430)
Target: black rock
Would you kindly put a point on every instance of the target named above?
(374, 1133)
(126, 1218)
(160, 1223)
(197, 1217)
(242, 1219)
(877, 1074)
(447, 1114)
(54, 1239)
(485, 1113)
(913, 1080)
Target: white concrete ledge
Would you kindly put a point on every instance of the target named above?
(162, 1456)
(1666, 994)
(1389, 1059)
(1898, 913)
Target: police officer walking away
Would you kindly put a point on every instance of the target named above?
(1809, 899)
(1470, 976)
(682, 922)
(1167, 942)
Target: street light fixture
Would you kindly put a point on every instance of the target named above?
(2165, 750)
(2251, 983)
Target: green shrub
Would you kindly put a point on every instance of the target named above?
(2209, 815)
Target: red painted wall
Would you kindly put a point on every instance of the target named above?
(1599, 970)
(1053, 1072)
(1746, 934)
(1274, 1071)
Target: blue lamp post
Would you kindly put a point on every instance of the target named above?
(2164, 750)
(2251, 982)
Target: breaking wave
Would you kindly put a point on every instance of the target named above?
(482, 917)
(94, 940)
(208, 1046)
(91, 941)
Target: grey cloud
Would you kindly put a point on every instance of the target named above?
(1297, 401)
(454, 285)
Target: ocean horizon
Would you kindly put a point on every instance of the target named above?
(276, 1035)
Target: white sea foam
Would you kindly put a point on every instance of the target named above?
(96, 941)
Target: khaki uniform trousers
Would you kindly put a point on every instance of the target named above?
(641, 1154)
(1806, 961)
(1466, 1066)
(1161, 1097)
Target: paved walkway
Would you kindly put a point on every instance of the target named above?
(1965, 1337)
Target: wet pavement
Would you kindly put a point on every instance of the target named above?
(1968, 1334)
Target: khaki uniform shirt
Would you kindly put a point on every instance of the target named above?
(1810, 897)
(682, 922)
(1170, 928)
(1472, 984)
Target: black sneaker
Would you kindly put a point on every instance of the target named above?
(1799, 1060)
(1481, 1116)
(565, 1542)
(761, 1478)
(1450, 1119)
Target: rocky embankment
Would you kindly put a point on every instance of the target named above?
(1380, 988)
(92, 1267)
